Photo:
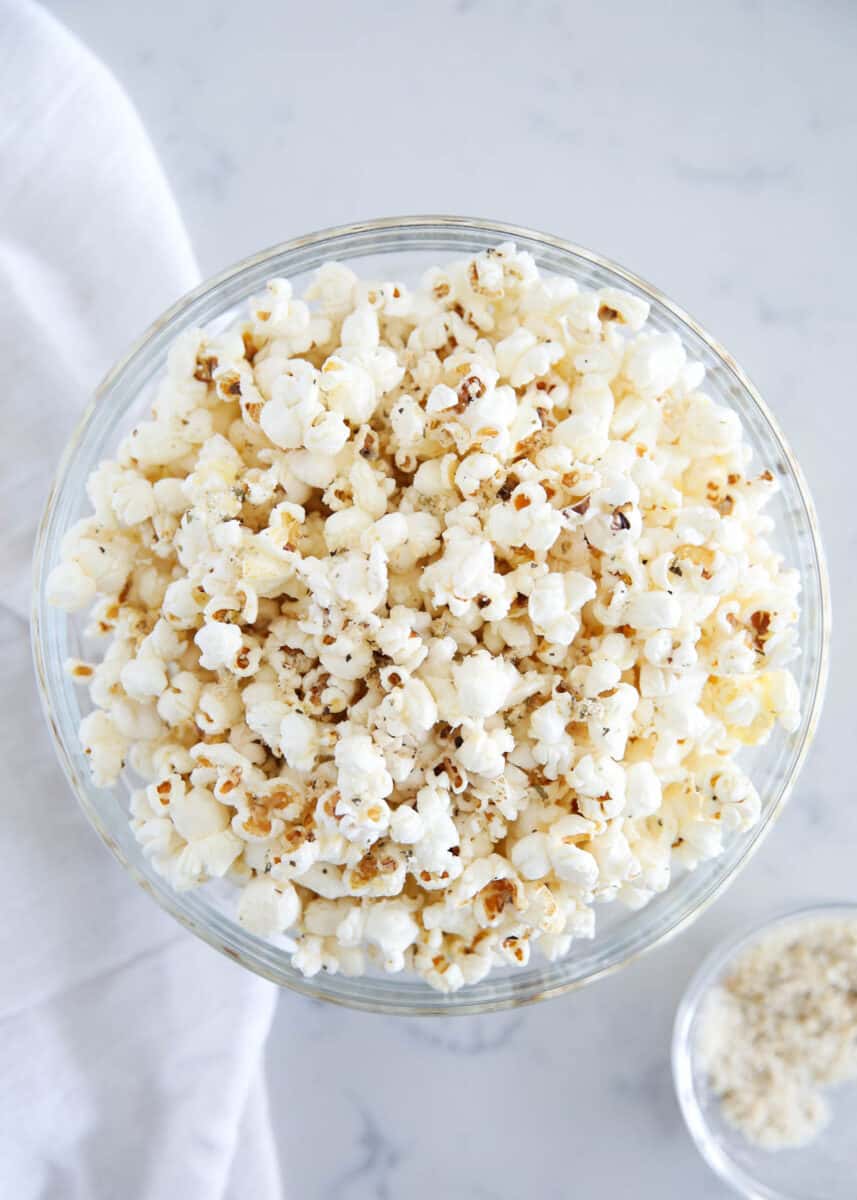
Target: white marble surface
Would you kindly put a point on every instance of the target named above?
(709, 147)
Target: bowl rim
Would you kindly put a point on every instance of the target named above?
(438, 1006)
(704, 978)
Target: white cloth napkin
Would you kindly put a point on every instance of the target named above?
(130, 1053)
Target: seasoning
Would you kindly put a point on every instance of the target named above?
(781, 1027)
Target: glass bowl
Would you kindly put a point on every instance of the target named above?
(826, 1168)
(402, 248)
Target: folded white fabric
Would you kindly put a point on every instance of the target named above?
(130, 1053)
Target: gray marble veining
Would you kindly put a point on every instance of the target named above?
(709, 148)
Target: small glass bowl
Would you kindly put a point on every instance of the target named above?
(402, 248)
(826, 1168)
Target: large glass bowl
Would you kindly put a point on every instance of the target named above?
(402, 249)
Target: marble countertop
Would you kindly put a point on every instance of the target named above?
(710, 150)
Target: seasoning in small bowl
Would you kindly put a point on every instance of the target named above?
(764, 1032)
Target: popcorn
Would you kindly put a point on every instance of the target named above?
(552, 746)
(616, 305)
(218, 708)
(348, 389)
(101, 553)
(143, 677)
(135, 720)
(483, 684)
(587, 430)
(435, 850)
(475, 470)
(315, 470)
(342, 529)
(526, 520)
(268, 907)
(482, 750)
(104, 746)
(458, 577)
(568, 859)
(326, 434)
(521, 357)
(294, 403)
(362, 772)
(299, 741)
(264, 710)
(600, 785)
(652, 611)
(642, 790)
(435, 617)
(391, 927)
(364, 821)
(409, 710)
(218, 642)
(69, 587)
(554, 605)
(653, 362)
(197, 815)
(407, 421)
(610, 727)
(531, 856)
(406, 825)
(181, 605)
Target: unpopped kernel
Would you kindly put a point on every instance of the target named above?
(432, 616)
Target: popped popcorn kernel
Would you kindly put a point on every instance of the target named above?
(434, 617)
